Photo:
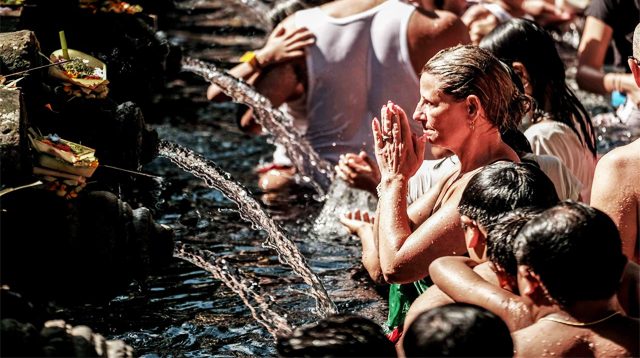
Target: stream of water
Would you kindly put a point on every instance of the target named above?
(311, 168)
(238, 283)
(251, 211)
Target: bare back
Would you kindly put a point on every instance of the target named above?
(432, 31)
(616, 191)
(617, 337)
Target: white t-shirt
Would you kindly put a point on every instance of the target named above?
(558, 139)
(566, 184)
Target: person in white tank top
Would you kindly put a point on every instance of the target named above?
(366, 52)
(350, 55)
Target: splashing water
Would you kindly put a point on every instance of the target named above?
(341, 199)
(313, 170)
(251, 211)
(238, 283)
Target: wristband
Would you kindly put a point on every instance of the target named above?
(251, 58)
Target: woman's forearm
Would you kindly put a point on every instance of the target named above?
(370, 258)
(393, 221)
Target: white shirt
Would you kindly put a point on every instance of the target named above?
(558, 139)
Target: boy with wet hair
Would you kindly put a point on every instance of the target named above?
(495, 285)
(343, 335)
(458, 330)
(492, 193)
(500, 246)
(570, 263)
(495, 191)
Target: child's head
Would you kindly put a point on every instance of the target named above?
(337, 336)
(458, 330)
(496, 190)
(500, 245)
(570, 252)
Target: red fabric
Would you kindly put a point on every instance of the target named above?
(394, 336)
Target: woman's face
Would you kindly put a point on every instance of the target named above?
(443, 118)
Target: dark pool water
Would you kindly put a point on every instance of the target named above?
(184, 311)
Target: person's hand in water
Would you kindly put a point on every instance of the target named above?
(284, 45)
(359, 171)
(357, 222)
(398, 150)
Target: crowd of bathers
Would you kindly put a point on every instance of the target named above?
(500, 229)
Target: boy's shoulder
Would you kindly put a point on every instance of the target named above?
(618, 337)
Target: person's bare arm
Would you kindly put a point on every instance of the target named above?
(615, 192)
(546, 13)
(361, 224)
(432, 31)
(455, 277)
(405, 255)
(591, 54)
(283, 45)
(629, 290)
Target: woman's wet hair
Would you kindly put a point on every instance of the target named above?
(466, 70)
(575, 250)
(520, 40)
(515, 139)
(502, 187)
(458, 330)
(342, 335)
(502, 235)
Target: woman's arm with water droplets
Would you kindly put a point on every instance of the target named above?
(405, 256)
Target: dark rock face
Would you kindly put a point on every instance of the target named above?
(56, 339)
(84, 250)
(13, 144)
(18, 51)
